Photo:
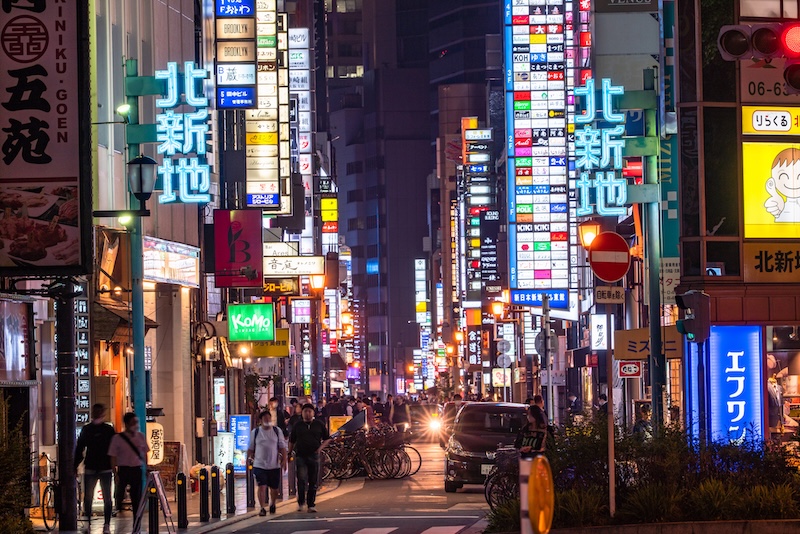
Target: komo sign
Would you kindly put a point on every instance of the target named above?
(251, 322)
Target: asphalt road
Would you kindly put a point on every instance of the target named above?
(414, 505)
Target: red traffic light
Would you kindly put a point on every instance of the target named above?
(791, 40)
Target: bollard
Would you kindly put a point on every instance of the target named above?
(292, 478)
(152, 511)
(216, 508)
(537, 495)
(204, 516)
(230, 490)
(180, 494)
(524, 475)
(250, 485)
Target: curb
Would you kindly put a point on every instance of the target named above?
(477, 528)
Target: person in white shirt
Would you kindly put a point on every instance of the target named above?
(267, 450)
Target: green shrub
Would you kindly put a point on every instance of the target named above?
(652, 503)
(504, 518)
(580, 508)
(769, 502)
(713, 500)
(14, 472)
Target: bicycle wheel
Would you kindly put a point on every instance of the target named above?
(415, 456)
(503, 489)
(49, 515)
(325, 465)
(405, 464)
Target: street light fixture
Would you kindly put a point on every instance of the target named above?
(587, 231)
(498, 308)
(458, 336)
(317, 281)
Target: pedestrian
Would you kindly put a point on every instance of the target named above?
(387, 409)
(602, 405)
(643, 429)
(128, 453)
(401, 415)
(575, 408)
(533, 436)
(296, 417)
(95, 438)
(278, 416)
(267, 450)
(306, 441)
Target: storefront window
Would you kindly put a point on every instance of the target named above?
(15, 338)
(783, 380)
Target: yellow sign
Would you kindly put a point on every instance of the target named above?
(329, 215)
(262, 138)
(772, 262)
(278, 348)
(770, 120)
(771, 190)
(328, 204)
(337, 421)
(635, 344)
(541, 495)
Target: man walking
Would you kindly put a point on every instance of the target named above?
(267, 449)
(95, 438)
(307, 439)
(128, 454)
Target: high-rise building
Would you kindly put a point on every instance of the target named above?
(382, 154)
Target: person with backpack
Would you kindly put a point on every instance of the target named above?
(267, 450)
(128, 453)
(306, 441)
(95, 439)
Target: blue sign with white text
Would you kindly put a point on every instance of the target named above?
(240, 426)
(236, 8)
(734, 405)
(559, 298)
(264, 199)
(236, 97)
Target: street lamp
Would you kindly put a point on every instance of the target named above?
(587, 231)
(498, 308)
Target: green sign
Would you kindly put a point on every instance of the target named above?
(251, 322)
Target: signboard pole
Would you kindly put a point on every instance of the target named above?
(65, 348)
(612, 475)
(547, 360)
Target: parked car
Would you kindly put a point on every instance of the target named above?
(478, 430)
(449, 411)
(425, 421)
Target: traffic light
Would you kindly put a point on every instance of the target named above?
(696, 310)
(764, 41)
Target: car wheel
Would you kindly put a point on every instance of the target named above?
(451, 487)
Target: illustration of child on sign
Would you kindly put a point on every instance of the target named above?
(784, 187)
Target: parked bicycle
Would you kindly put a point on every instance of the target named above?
(377, 453)
(51, 502)
(502, 482)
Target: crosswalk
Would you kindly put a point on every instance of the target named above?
(450, 529)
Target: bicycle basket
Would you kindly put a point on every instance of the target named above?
(507, 460)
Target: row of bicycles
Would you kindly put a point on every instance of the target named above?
(377, 453)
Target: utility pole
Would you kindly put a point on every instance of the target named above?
(548, 358)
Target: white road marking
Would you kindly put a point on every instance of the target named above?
(376, 530)
(368, 517)
(311, 531)
(445, 530)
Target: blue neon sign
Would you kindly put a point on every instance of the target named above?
(185, 179)
(734, 399)
(559, 298)
(236, 97)
(264, 199)
(235, 8)
(599, 151)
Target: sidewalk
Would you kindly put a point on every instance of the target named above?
(123, 523)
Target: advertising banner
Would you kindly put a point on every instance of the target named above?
(237, 245)
(635, 344)
(771, 262)
(224, 446)
(251, 322)
(771, 190)
(294, 266)
(277, 348)
(45, 168)
(240, 427)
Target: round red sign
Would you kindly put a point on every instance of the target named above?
(609, 256)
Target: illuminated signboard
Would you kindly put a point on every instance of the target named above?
(735, 394)
(235, 65)
(598, 152)
(771, 189)
(185, 179)
(251, 322)
(537, 136)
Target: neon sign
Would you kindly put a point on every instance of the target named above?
(185, 179)
(598, 151)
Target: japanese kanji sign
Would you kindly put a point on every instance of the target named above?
(635, 344)
(277, 348)
(771, 262)
(185, 179)
(598, 153)
(45, 166)
(609, 294)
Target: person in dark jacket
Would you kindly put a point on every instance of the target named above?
(306, 441)
(94, 439)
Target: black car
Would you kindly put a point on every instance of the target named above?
(425, 421)
(478, 430)
(449, 411)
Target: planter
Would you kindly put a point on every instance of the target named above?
(699, 527)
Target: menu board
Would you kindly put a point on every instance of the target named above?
(170, 466)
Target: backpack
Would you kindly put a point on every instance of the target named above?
(275, 428)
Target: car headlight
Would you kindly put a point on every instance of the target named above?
(435, 424)
(455, 447)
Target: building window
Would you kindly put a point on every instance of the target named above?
(356, 195)
(355, 167)
(348, 6)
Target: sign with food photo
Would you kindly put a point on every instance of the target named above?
(45, 167)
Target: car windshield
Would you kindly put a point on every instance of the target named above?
(491, 420)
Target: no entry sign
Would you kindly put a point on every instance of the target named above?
(609, 256)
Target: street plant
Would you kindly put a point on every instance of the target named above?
(14, 475)
(504, 518)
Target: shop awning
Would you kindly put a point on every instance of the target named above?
(111, 321)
